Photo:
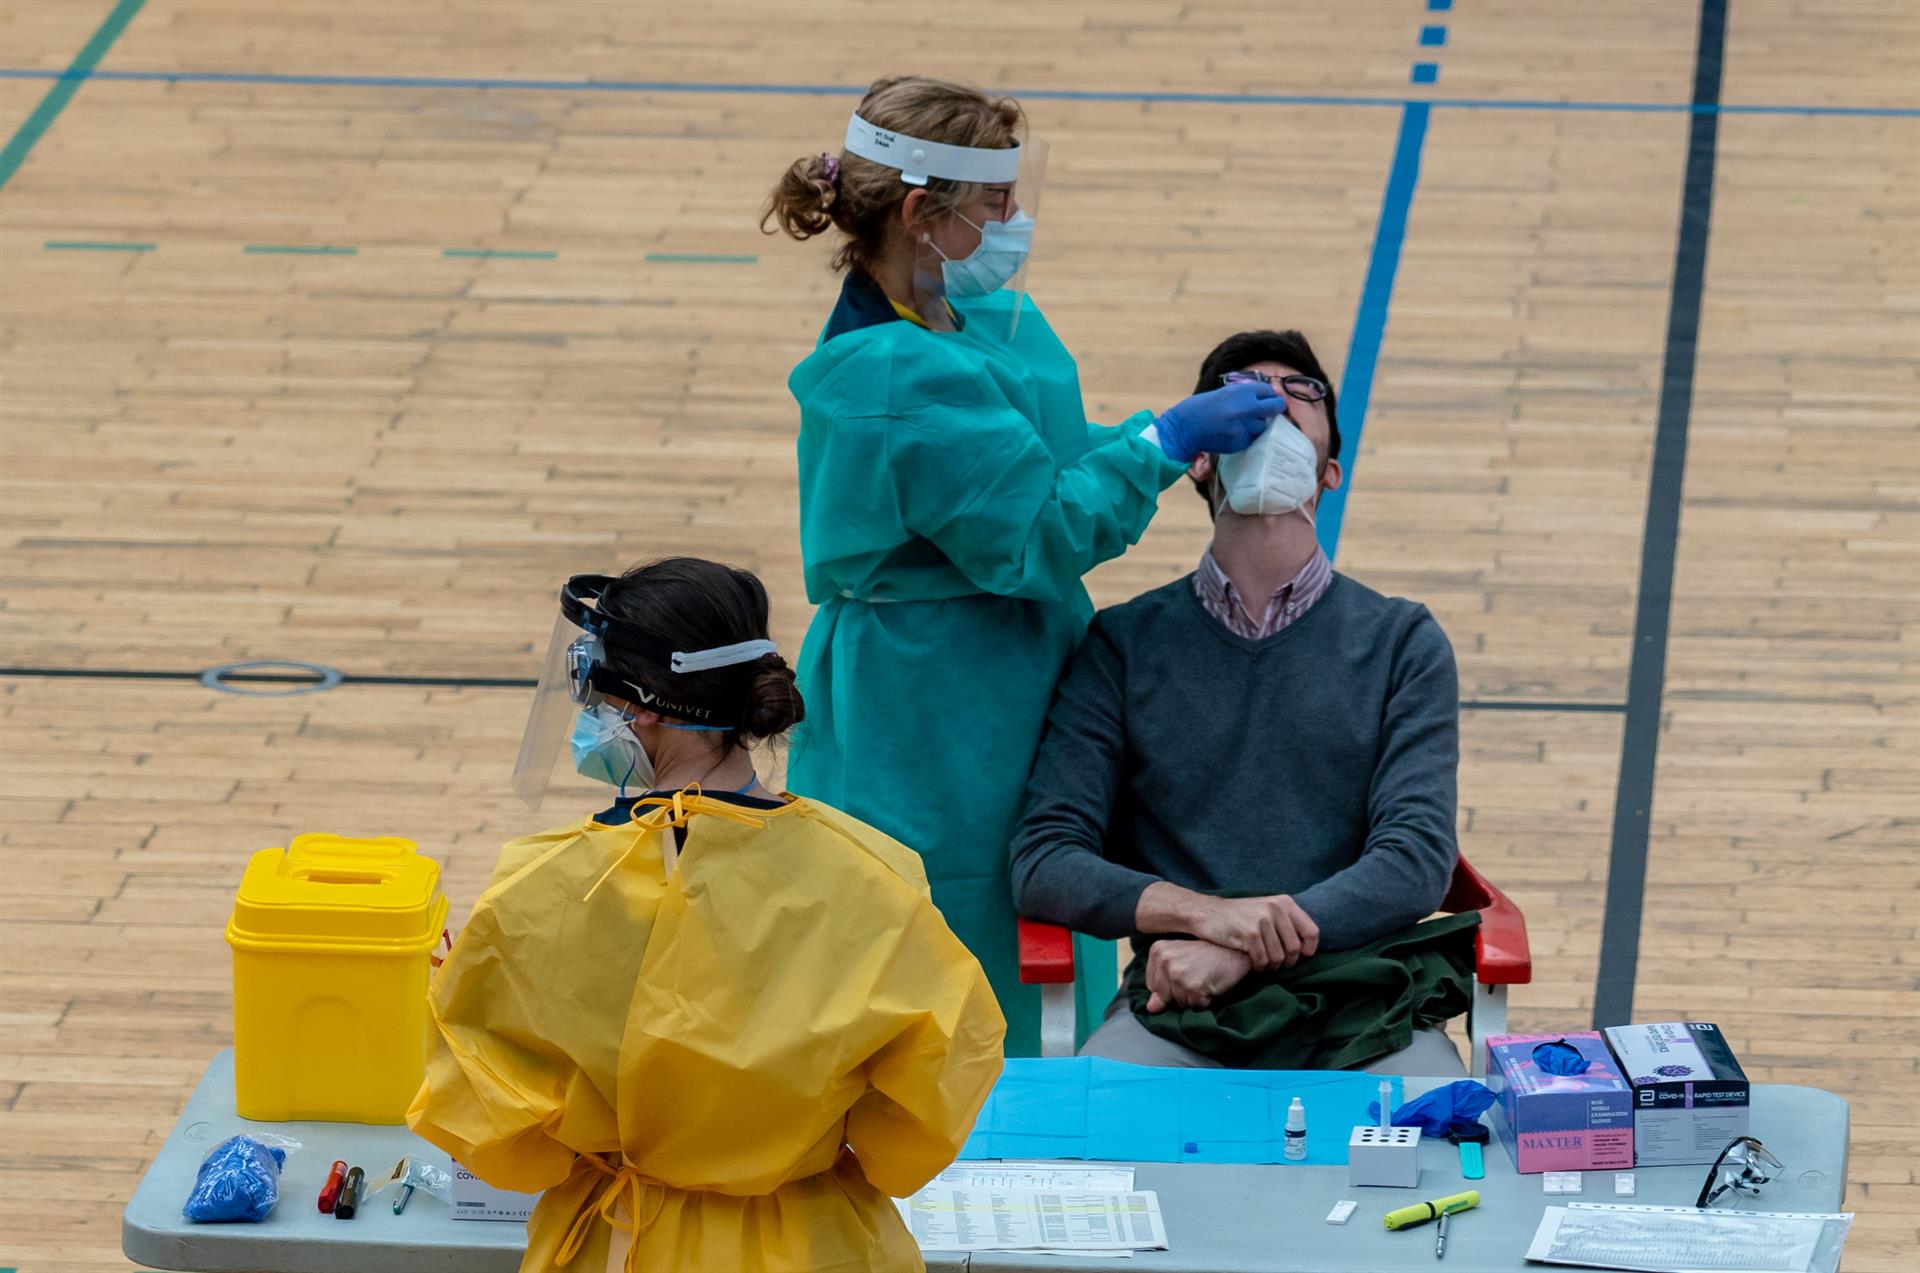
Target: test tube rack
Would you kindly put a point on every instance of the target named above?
(1384, 1156)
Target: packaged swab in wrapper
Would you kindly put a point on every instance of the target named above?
(410, 1174)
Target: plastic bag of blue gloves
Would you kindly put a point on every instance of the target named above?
(238, 1181)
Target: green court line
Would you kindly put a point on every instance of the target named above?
(36, 125)
(77, 245)
(505, 253)
(298, 249)
(700, 258)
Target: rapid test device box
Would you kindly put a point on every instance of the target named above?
(1560, 1122)
(1690, 1096)
(475, 1199)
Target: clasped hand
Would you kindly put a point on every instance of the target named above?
(1235, 936)
(1188, 974)
(1272, 932)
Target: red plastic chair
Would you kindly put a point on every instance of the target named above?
(1501, 958)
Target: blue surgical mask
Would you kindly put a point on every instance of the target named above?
(991, 266)
(605, 749)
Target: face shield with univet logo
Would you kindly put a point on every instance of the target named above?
(577, 676)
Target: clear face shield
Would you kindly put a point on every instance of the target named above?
(576, 679)
(974, 229)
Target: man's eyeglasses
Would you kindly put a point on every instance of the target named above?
(1742, 1167)
(1304, 388)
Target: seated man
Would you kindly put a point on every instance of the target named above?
(1259, 757)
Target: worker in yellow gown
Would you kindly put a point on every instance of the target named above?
(717, 1026)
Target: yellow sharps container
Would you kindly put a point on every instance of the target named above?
(331, 941)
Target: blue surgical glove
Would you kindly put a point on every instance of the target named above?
(1560, 1057)
(1221, 421)
(1458, 1104)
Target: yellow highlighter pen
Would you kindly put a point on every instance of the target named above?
(1421, 1212)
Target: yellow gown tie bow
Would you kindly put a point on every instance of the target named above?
(643, 1196)
(666, 814)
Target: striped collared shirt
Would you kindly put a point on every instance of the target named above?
(1295, 597)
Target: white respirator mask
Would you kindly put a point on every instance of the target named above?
(1278, 474)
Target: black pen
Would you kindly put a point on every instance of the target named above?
(349, 1195)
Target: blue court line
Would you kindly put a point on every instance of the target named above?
(512, 254)
(1041, 95)
(68, 82)
(80, 245)
(701, 258)
(1376, 295)
(298, 249)
(1370, 323)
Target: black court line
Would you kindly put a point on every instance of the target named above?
(274, 678)
(519, 683)
(1646, 675)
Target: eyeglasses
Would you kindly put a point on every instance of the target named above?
(581, 657)
(1304, 388)
(1742, 1167)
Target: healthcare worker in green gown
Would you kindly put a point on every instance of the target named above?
(952, 494)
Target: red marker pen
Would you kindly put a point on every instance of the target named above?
(330, 1193)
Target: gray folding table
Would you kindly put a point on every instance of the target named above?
(1219, 1219)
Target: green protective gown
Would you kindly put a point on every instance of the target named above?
(952, 494)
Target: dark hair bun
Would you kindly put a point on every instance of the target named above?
(773, 704)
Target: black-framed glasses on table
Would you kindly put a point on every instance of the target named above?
(1305, 388)
(1742, 1167)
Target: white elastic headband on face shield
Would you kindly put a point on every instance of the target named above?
(918, 160)
(722, 656)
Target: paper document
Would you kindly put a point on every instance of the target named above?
(1683, 1240)
(1035, 1175)
(944, 1218)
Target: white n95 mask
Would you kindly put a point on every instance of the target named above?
(1277, 474)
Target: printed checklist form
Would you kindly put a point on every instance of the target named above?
(949, 1218)
(1067, 1177)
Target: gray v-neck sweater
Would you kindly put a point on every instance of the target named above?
(1318, 762)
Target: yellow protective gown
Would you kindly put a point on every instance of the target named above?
(730, 1066)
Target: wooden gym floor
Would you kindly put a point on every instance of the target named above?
(340, 332)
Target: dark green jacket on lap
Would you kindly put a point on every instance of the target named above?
(1335, 1011)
